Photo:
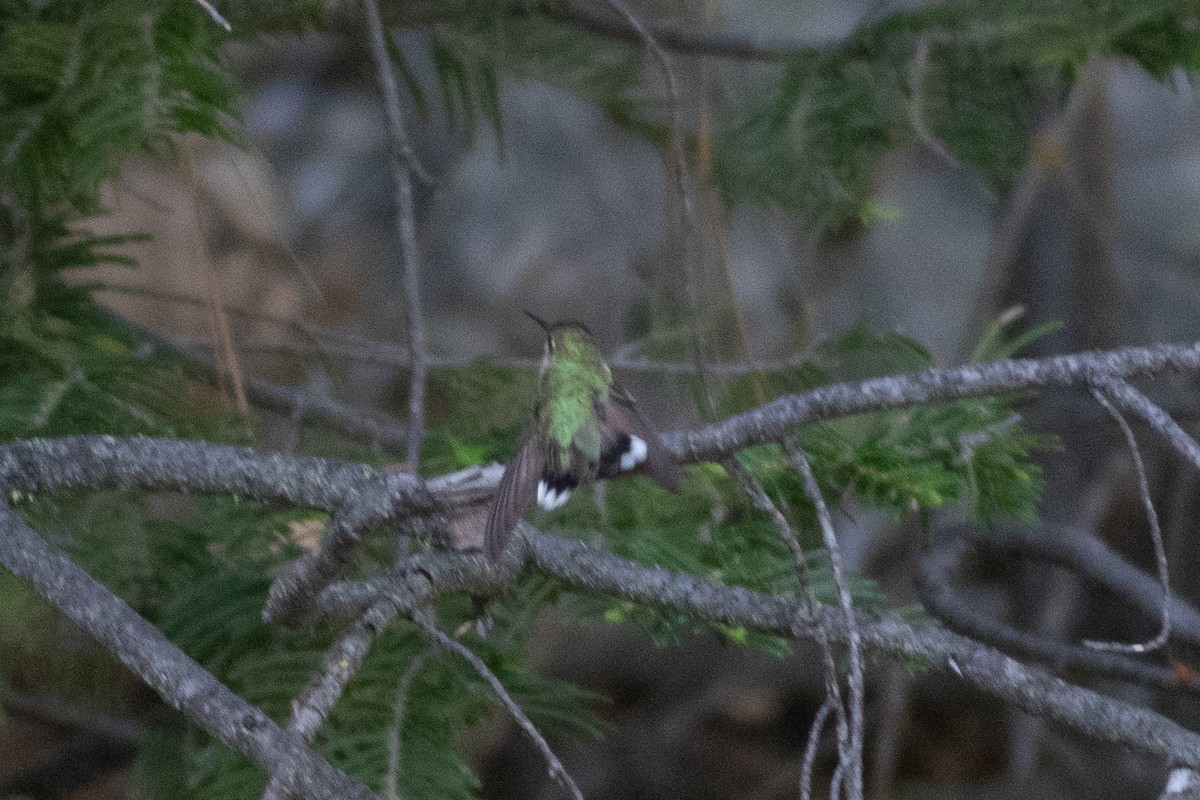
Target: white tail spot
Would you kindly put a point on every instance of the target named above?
(635, 455)
(551, 499)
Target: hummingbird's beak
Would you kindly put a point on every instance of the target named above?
(538, 320)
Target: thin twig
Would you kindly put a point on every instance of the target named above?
(1132, 400)
(1156, 537)
(216, 15)
(557, 771)
(763, 502)
(810, 748)
(298, 402)
(941, 569)
(218, 320)
(391, 779)
(683, 185)
(1087, 556)
(404, 166)
(853, 773)
(833, 689)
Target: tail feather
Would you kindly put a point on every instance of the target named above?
(516, 491)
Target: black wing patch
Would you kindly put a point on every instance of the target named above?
(623, 455)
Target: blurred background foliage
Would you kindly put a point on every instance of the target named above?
(86, 87)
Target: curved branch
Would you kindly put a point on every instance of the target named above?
(1090, 558)
(775, 419)
(940, 571)
(363, 497)
(1029, 688)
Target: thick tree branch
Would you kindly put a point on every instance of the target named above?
(774, 420)
(1029, 688)
(341, 663)
(181, 682)
(361, 498)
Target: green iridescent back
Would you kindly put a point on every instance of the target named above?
(575, 379)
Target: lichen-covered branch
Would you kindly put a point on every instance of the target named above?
(360, 499)
(179, 680)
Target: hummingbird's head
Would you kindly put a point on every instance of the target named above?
(565, 338)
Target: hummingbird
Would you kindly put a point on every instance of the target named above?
(585, 428)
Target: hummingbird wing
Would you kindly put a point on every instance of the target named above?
(632, 445)
(515, 493)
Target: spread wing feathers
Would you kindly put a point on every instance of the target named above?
(516, 491)
(634, 446)
(627, 445)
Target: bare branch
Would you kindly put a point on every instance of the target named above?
(404, 166)
(1088, 557)
(292, 401)
(936, 578)
(211, 10)
(557, 771)
(1130, 399)
(396, 731)
(852, 768)
(810, 748)
(776, 419)
(833, 689)
(1156, 537)
(341, 663)
(179, 680)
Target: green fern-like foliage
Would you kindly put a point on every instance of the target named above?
(85, 85)
(170, 558)
(65, 366)
(810, 142)
(82, 86)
